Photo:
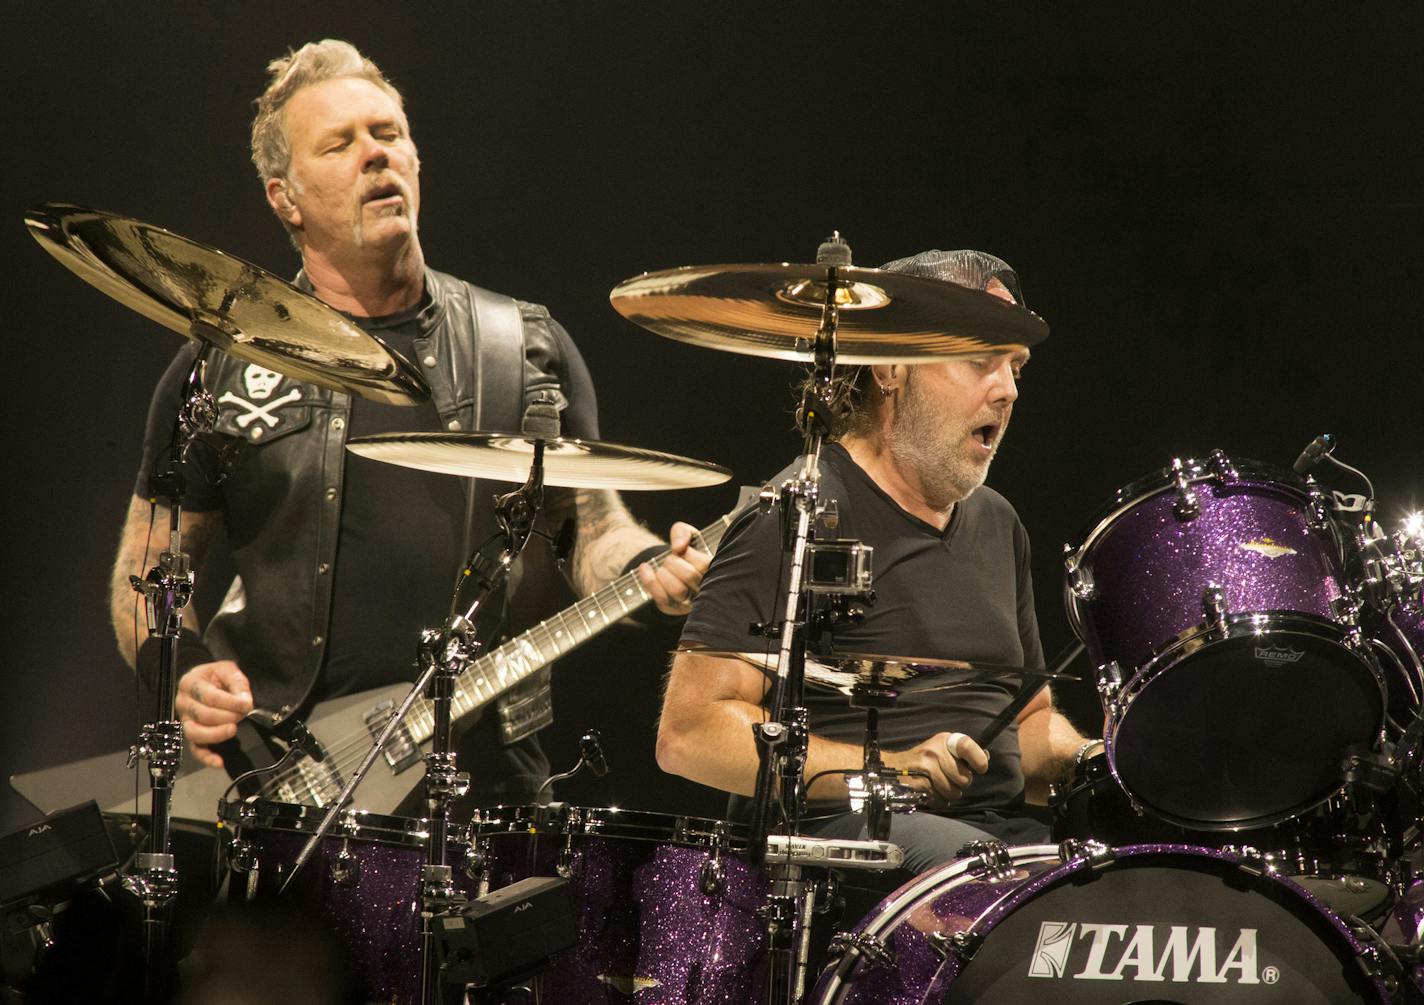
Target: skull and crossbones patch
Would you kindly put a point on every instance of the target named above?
(260, 412)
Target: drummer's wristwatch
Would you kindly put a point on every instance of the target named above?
(1082, 753)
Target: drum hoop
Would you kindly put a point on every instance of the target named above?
(301, 818)
(610, 822)
(1238, 625)
(1249, 473)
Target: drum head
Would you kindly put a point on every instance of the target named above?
(1244, 731)
(1177, 927)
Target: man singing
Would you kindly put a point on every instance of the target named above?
(342, 561)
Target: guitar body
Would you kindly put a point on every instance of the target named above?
(342, 730)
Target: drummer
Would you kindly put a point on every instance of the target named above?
(952, 581)
(341, 563)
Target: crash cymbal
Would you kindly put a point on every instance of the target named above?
(506, 457)
(238, 307)
(774, 310)
(854, 674)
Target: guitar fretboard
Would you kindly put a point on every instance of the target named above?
(525, 654)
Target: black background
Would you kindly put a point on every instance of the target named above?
(1217, 211)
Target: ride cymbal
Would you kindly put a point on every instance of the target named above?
(774, 310)
(587, 464)
(234, 305)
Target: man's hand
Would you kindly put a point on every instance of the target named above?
(212, 698)
(951, 760)
(674, 583)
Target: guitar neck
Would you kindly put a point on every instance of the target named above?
(526, 654)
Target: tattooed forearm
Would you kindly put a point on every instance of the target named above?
(607, 537)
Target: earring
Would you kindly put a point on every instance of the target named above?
(885, 392)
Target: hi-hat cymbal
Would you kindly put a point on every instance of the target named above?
(586, 464)
(857, 674)
(774, 311)
(240, 308)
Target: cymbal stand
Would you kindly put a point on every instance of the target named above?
(878, 790)
(448, 651)
(782, 740)
(166, 590)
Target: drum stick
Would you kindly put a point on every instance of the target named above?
(1026, 694)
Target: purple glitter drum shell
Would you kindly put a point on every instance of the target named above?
(1150, 567)
(647, 930)
(1042, 929)
(363, 883)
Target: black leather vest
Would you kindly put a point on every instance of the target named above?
(490, 361)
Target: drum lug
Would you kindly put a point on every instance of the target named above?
(1080, 579)
(712, 874)
(345, 868)
(1251, 861)
(1097, 855)
(847, 947)
(1187, 506)
(1317, 516)
(1214, 608)
(1109, 682)
(1346, 611)
(991, 859)
(1222, 468)
(960, 945)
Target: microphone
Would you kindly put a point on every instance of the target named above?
(592, 753)
(1314, 451)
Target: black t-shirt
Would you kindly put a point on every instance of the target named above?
(965, 593)
(397, 552)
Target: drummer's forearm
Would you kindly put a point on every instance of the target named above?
(1048, 743)
(719, 750)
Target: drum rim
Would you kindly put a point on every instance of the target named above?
(1237, 626)
(1249, 472)
(304, 818)
(681, 829)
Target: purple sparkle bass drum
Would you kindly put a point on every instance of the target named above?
(1212, 599)
(1087, 924)
(666, 907)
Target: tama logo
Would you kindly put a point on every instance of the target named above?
(1107, 953)
(1278, 657)
(39, 830)
(524, 906)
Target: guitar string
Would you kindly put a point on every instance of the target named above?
(347, 753)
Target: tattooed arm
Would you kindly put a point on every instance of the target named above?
(607, 538)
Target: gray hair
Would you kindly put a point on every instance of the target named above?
(853, 388)
(313, 63)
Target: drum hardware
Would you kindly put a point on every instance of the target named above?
(1187, 507)
(987, 859)
(590, 756)
(1214, 607)
(835, 853)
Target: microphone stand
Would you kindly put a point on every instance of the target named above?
(166, 590)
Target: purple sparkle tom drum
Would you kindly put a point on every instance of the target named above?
(362, 882)
(667, 908)
(1211, 597)
(1145, 923)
